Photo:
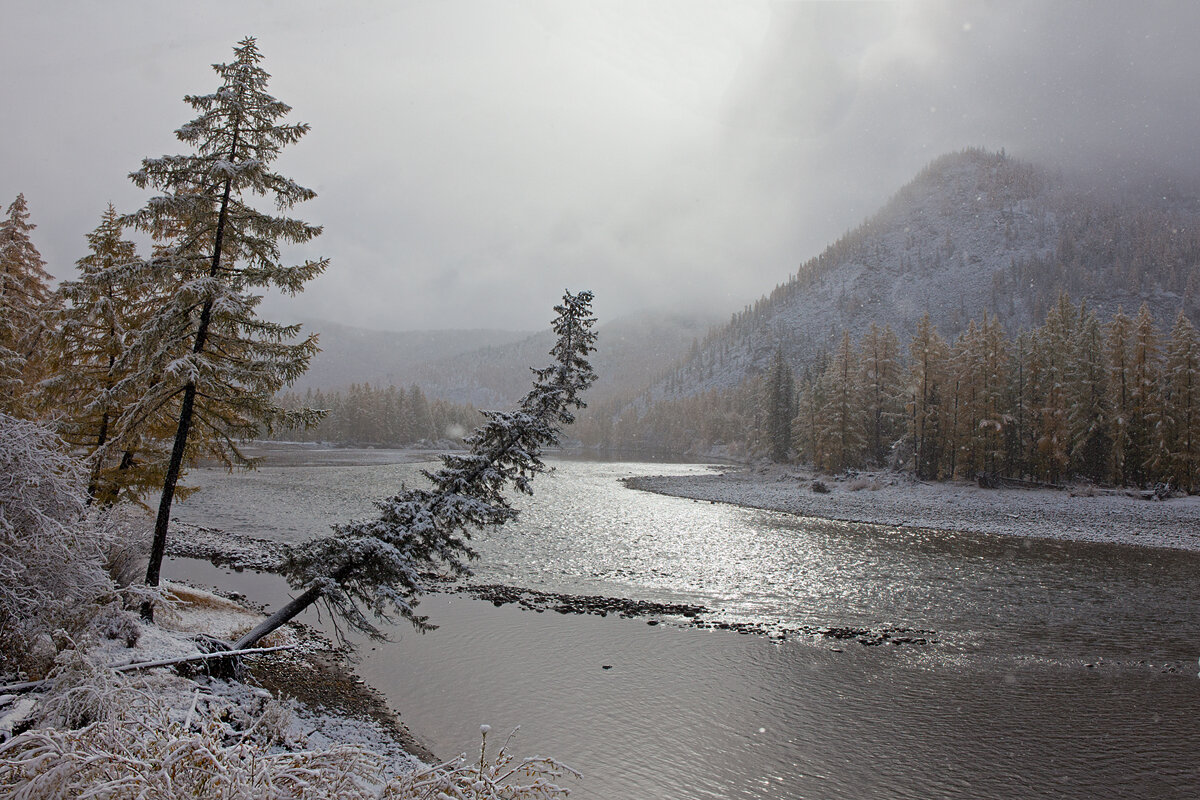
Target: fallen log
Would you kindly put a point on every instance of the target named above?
(46, 683)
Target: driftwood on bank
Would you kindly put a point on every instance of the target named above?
(47, 683)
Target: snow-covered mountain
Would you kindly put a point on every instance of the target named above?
(974, 232)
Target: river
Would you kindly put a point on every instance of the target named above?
(1049, 669)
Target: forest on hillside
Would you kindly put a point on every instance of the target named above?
(1113, 401)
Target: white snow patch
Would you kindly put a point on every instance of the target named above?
(1112, 517)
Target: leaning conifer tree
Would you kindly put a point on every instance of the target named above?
(206, 352)
(371, 569)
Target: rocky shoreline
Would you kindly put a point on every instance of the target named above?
(319, 675)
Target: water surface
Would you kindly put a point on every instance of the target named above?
(1004, 705)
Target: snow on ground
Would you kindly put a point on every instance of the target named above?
(120, 639)
(1085, 514)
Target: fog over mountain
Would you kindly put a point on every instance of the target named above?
(490, 369)
(474, 158)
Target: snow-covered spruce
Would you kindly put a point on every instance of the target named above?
(205, 353)
(94, 317)
(370, 570)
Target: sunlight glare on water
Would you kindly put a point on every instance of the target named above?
(1001, 706)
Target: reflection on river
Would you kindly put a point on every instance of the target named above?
(1002, 706)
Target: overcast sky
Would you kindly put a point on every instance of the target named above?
(472, 159)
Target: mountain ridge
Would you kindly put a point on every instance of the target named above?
(974, 232)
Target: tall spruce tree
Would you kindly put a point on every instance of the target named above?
(1050, 375)
(841, 435)
(24, 305)
(1090, 414)
(929, 359)
(1145, 373)
(1117, 349)
(206, 349)
(371, 570)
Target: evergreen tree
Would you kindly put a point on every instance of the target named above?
(779, 406)
(1118, 349)
(928, 371)
(992, 397)
(24, 304)
(881, 382)
(206, 347)
(1049, 374)
(98, 313)
(1018, 438)
(373, 569)
(1183, 403)
(806, 423)
(1090, 416)
(960, 432)
(841, 436)
(1144, 409)
(420, 416)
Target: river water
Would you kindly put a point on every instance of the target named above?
(1051, 669)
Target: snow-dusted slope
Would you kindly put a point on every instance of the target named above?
(974, 232)
(631, 352)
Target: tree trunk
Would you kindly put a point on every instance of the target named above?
(159, 546)
(280, 617)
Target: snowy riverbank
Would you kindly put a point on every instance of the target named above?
(1089, 515)
(299, 698)
(133, 710)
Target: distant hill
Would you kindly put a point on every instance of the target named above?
(357, 355)
(974, 232)
(490, 369)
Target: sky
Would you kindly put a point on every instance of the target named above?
(474, 158)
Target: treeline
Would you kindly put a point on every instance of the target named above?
(1114, 401)
(374, 415)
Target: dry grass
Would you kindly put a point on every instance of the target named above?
(116, 738)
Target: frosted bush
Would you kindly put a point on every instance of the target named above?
(124, 533)
(50, 560)
(110, 736)
(505, 778)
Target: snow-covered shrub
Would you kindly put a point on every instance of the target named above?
(124, 533)
(505, 778)
(51, 561)
(104, 735)
(136, 744)
(117, 624)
